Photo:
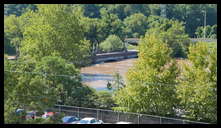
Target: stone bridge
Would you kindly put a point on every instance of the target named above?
(114, 56)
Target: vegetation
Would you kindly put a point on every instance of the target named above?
(135, 25)
(151, 83)
(54, 34)
(98, 21)
(132, 47)
(17, 9)
(117, 83)
(13, 30)
(104, 100)
(211, 31)
(54, 41)
(198, 87)
(112, 43)
(171, 32)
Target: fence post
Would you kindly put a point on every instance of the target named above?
(160, 120)
(101, 114)
(118, 116)
(183, 122)
(59, 108)
(138, 118)
(97, 114)
(78, 113)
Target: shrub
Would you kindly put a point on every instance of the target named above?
(112, 43)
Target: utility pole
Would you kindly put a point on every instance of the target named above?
(204, 24)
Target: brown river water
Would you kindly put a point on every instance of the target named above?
(97, 75)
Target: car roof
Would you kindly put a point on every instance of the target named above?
(19, 109)
(31, 111)
(88, 118)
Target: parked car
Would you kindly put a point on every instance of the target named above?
(70, 120)
(32, 115)
(21, 113)
(90, 120)
(122, 122)
(48, 114)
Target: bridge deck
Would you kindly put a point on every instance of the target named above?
(114, 56)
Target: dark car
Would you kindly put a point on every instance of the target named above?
(70, 119)
(21, 113)
(30, 115)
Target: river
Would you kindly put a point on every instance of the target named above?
(97, 75)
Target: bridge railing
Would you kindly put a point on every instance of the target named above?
(136, 40)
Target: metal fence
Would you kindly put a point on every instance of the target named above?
(109, 116)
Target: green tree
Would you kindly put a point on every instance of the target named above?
(135, 25)
(17, 9)
(112, 43)
(8, 47)
(104, 100)
(198, 84)
(54, 29)
(13, 31)
(125, 10)
(154, 9)
(211, 31)
(93, 31)
(117, 82)
(91, 10)
(54, 67)
(112, 24)
(24, 90)
(151, 83)
(38, 85)
(173, 33)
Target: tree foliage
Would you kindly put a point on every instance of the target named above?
(24, 90)
(211, 31)
(17, 9)
(151, 83)
(198, 84)
(13, 30)
(135, 25)
(112, 43)
(54, 29)
(112, 24)
(171, 32)
(104, 100)
(102, 20)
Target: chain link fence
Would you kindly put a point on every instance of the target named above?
(109, 116)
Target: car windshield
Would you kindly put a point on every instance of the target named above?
(65, 119)
(68, 119)
(84, 121)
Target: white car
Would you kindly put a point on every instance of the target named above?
(90, 120)
(121, 122)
